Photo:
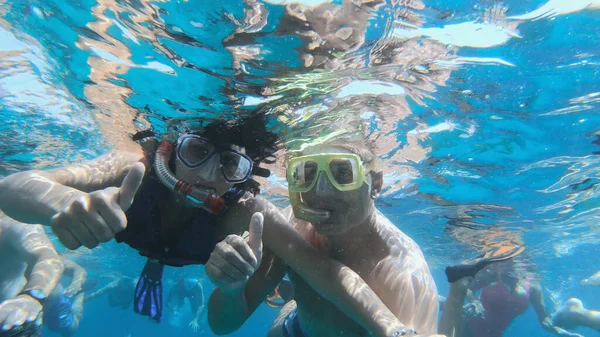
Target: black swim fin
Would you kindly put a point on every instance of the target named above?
(470, 268)
(148, 296)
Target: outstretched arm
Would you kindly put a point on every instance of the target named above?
(102, 290)
(78, 277)
(200, 296)
(197, 306)
(36, 196)
(536, 299)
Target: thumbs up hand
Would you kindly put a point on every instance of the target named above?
(234, 259)
(97, 216)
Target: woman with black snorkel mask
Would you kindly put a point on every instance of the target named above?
(180, 202)
(209, 174)
(182, 188)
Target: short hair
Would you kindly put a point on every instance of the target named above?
(249, 132)
(353, 142)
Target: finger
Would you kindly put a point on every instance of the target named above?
(234, 258)
(94, 223)
(15, 318)
(255, 237)
(131, 183)
(233, 264)
(83, 235)
(113, 215)
(217, 276)
(243, 249)
(67, 239)
(4, 312)
(227, 268)
(20, 318)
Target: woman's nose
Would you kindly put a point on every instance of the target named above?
(210, 169)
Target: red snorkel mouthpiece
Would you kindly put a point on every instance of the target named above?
(214, 202)
(198, 196)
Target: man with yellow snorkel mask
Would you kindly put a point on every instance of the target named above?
(332, 190)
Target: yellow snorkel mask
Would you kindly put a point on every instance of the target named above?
(345, 172)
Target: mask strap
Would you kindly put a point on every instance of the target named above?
(261, 172)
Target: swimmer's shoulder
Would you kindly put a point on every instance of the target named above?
(392, 234)
(399, 243)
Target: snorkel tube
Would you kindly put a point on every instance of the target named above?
(303, 212)
(198, 196)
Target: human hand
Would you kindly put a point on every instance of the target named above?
(16, 311)
(474, 309)
(194, 325)
(397, 329)
(234, 259)
(97, 216)
(549, 326)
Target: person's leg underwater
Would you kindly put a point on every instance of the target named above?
(572, 314)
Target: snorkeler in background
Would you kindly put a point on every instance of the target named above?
(332, 188)
(190, 289)
(31, 269)
(63, 309)
(198, 194)
(118, 292)
(506, 293)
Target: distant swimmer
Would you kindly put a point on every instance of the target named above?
(190, 289)
(118, 291)
(505, 294)
(593, 280)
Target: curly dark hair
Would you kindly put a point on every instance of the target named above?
(249, 132)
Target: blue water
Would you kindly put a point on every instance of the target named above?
(484, 120)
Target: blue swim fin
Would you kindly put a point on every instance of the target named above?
(148, 297)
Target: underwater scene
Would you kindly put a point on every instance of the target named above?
(305, 168)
